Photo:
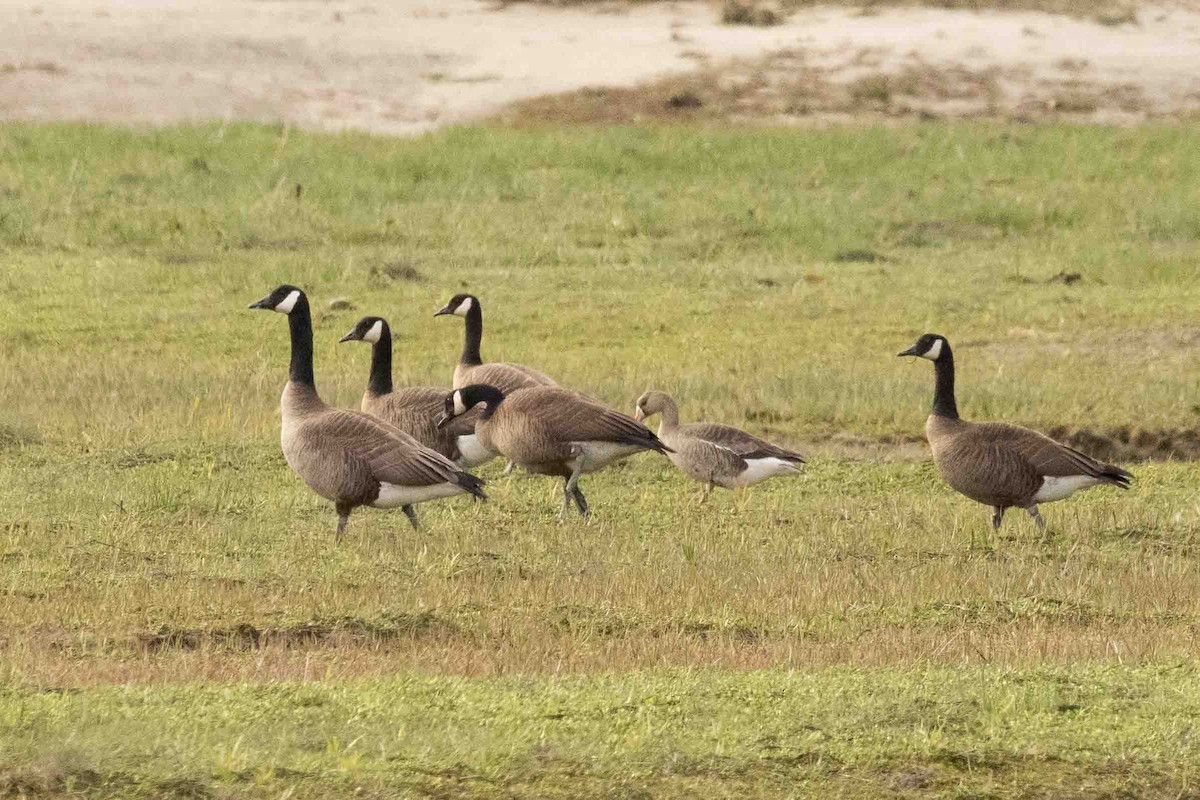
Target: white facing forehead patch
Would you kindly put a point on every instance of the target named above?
(464, 307)
(933, 352)
(289, 302)
(374, 332)
(459, 408)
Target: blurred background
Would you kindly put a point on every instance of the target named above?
(406, 66)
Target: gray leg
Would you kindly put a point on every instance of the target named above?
(581, 502)
(508, 466)
(343, 513)
(568, 495)
(997, 515)
(572, 486)
(1037, 517)
(411, 513)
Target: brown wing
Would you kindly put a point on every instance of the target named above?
(414, 409)
(988, 471)
(744, 444)
(704, 460)
(1050, 458)
(389, 454)
(571, 416)
(505, 377)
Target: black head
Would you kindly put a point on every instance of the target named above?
(459, 305)
(460, 401)
(367, 329)
(931, 346)
(284, 299)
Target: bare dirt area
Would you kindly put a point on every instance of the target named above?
(411, 65)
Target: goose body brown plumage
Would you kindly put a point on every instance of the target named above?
(412, 409)
(508, 378)
(355, 459)
(348, 457)
(1001, 465)
(715, 454)
(552, 431)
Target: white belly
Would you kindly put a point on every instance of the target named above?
(759, 469)
(471, 453)
(391, 495)
(598, 455)
(1059, 488)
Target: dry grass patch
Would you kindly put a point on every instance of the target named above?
(757, 12)
(786, 88)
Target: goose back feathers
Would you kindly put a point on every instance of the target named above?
(355, 459)
(552, 431)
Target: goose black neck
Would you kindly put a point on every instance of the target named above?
(474, 334)
(380, 382)
(943, 392)
(482, 393)
(300, 325)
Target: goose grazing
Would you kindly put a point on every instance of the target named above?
(715, 455)
(552, 431)
(348, 457)
(1000, 465)
(471, 367)
(412, 409)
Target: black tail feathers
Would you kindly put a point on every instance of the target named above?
(1117, 476)
(473, 485)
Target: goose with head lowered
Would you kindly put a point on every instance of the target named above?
(348, 457)
(412, 409)
(715, 455)
(471, 367)
(552, 431)
(1000, 465)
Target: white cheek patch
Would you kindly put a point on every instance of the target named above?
(289, 302)
(375, 332)
(933, 352)
(464, 307)
(459, 408)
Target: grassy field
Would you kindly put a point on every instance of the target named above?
(176, 620)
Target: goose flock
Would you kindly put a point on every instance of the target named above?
(414, 444)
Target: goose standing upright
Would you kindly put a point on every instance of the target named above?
(348, 457)
(471, 367)
(715, 455)
(412, 409)
(997, 464)
(552, 431)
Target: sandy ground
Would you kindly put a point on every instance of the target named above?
(405, 66)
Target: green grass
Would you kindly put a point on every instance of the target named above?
(840, 732)
(157, 556)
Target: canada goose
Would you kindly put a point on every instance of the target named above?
(346, 456)
(552, 431)
(471, 368)
(1003, 466)
(715, 455)
(412, 409)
